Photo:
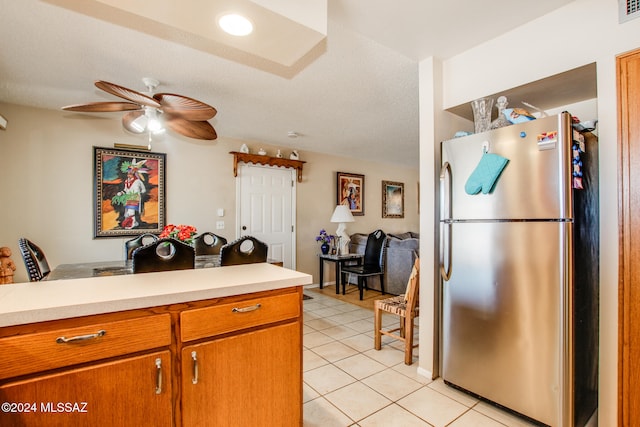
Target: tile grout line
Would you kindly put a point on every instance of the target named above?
(327, 304)
(357, 380)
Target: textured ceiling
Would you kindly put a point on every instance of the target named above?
(356, 93)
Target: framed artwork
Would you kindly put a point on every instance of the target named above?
(129, 192)
(350, 191)
(392, 199)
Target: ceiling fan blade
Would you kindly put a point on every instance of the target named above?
(185, 107)
(127, 94)
(102, 107)
(191, 129)
(129, 119)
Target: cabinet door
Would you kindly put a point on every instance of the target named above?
(250, 379)
(629, 237)
(135, 391)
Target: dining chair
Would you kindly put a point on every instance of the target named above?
(208, 243)
(163, 255)
(372, 264)
(34, 260)
(138, 242)
(245, 250)
(405, 306)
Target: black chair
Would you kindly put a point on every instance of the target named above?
(245, 250)
(209, 244)
(163, 255)
(372, 263)
(34, 260)
(138, 242)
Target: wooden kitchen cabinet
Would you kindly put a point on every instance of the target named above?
(85, 372)
(135, 391)
(248, 379)
(248, 370)
(233, 360)
(45, 346)
(628, 68)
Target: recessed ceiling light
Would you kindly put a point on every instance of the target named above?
(235, 24)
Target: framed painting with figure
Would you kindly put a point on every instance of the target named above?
(350, 192)
(392, 199)
(129, 192)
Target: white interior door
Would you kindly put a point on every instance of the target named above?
(266, 210)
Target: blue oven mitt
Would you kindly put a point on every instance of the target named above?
(485, 175)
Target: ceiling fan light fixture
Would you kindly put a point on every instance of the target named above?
(185, 116)
(154, 125)
(159, 131)
(148, 122)
(139, 124)
(234, 24)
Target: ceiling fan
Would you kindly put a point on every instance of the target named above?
(147, 114)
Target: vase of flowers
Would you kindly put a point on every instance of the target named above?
(326, 240)
(181, 232)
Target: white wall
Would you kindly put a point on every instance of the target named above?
(47, 194)
(583, 32)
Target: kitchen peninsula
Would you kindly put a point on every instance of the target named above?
(212, 346)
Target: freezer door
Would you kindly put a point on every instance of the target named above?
(535, 183)
(505, 309)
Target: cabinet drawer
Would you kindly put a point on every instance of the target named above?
(228, 317)
(37, 352)
(132, 391)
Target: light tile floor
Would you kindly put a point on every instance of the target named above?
(348, 383)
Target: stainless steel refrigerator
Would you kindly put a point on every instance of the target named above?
(519, 267)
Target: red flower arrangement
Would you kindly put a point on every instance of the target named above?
(181, 232)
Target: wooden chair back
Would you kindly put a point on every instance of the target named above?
(209, 243)
(163, 255)
(138, 242)
(412, 293)
(235, 253)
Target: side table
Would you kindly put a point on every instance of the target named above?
(339, 261)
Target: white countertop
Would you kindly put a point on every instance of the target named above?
(23, 303)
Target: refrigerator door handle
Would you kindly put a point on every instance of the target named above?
(445, 227)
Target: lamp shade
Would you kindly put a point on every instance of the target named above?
(342, 213)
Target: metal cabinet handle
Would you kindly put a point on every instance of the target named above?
(246, 309)
(65, 340)
(158, 375)
(194, 375)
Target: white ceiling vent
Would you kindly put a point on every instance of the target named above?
(628, 10)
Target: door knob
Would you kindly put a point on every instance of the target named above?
(244, 227)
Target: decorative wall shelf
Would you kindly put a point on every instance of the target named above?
(266, 160)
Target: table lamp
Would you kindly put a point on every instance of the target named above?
(342, 215)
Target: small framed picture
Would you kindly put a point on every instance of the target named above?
(129, 192)
(392, 199)
(350, 192)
